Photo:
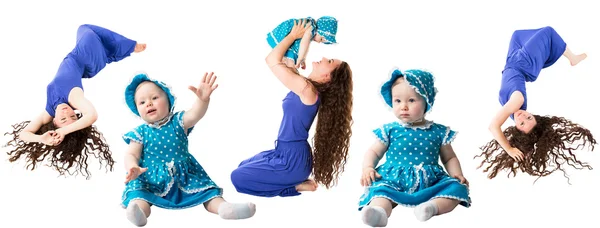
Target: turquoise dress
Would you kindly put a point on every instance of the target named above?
(282, 30)
(411, 174)
(174, 179)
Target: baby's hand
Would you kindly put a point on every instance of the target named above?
(368, 176)
(301, 64)
(206, 87)
(134, 172)
(462, 179)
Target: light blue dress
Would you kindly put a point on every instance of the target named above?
(282, 30)
(174, 179)
(411, 174)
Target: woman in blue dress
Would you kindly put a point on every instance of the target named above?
(323, 30)
(64, 131)
(160, 169)
(326, 94)
(536, 142)
(411, 175)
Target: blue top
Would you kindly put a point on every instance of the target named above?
(297, 118)
(67, 78)
(512, 80)
(96, 47)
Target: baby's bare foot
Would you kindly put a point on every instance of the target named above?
(139, 48)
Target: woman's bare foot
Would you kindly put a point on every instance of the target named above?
(308, 185)
(576, 59)
(139, 48)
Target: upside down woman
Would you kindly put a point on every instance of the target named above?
(537, 145)
(64, 132)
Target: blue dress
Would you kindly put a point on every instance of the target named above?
(282, 30)
(276, 172)
(95, 47)
(174, 179)
(411, 174)
(529, 52)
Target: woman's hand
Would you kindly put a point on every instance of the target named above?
(515, 153)
(49, 138)
(299, 29)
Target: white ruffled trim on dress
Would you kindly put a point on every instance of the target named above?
(171, 170)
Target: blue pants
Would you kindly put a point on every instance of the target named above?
(97, 46)
(274, 172)
(532, 50)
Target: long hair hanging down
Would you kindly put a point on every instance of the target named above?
(334, 120)
(547, 148)
(69, 157)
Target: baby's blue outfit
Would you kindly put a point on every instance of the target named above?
(529, 52)
(411, 174)
(326, 26)
(174, 179)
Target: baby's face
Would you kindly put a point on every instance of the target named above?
(318, 38)
(407, 104)
(151, 101)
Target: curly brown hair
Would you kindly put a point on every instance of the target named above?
(72, 152)
(334, 120)
(550, 144)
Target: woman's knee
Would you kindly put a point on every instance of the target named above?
(238, 176)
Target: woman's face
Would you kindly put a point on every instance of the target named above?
(524, 121)
(322, 69)
(64, 115)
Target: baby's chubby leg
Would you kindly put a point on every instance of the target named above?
(377, 212)
(230, 210)
(138, 212)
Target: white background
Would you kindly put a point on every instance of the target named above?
(463, 43)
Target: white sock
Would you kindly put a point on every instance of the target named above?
(135, 215)
(374, 216)
(236, 210)
(426, 210)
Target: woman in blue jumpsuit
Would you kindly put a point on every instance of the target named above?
(59, 133)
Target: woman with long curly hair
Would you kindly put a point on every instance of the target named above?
(326, 94)
(59, 133)
(536, 143)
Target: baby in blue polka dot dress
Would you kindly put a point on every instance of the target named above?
(323, 30)
(161, 171)
(411, 175)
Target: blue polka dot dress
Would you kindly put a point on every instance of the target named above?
(174, 179)
(282, 30)
(411, 174)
